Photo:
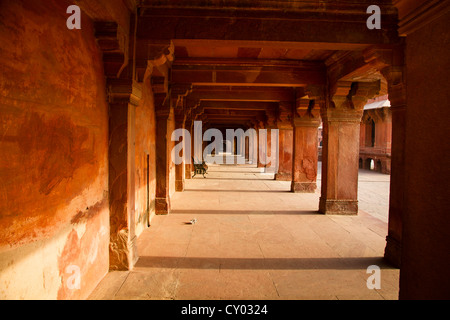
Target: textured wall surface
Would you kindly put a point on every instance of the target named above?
(53, 142)
(425, 229)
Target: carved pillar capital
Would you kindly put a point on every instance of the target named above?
(284, 115)
(271, 119)
(395, 77)
(113, 41)
(306, 113)
(178, 95)
(124, 91)
(163, 107)
(347, 100)
(315, 92)
(197, 110)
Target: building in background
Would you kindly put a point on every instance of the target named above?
(376, 135)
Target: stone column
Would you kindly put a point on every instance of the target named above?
(254, 151)
(123, 251)
(180, 119)
(340, 155)
(285, 152)
(286, 141)
(306, 141)
(271, 159)
(188, 162)
(261, 149)
(247, 148)
(164, 114)
(397, 97)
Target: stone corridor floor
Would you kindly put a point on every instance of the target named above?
(253, 239)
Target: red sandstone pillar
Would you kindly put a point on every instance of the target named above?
(188, 162)
(285, 152)
(261, 148)
(180, 119)
(304, 165)
(271, 149)
(247, 148)
(123, 251)
(340, 154)
(164, 113)
(253, 154)
(397, 97)
(285, 141)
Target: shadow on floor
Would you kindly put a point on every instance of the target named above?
(348, 263)
(243, 212)
(238, 190)
(236, 179)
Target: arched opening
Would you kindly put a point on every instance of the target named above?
(367, 163)
(370, 133)
(379, 167)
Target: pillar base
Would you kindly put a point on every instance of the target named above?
(303, 187)
(179, 185)
(338, 207)
(162, 206)
(283, 176)
(393, 251)
(270, 170)
(122, 252)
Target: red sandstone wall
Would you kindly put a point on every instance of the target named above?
(424, 272)
(54, 147)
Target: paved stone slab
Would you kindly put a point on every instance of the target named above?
(254, 239)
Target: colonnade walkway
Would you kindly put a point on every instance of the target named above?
(253, 239)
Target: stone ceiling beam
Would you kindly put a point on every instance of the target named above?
(255, 94)
(364, 66)
(312, 22)
(229, 113)
(238, 105)
(244, 74)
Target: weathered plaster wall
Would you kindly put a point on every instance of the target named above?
(54, 148)
(425, 264)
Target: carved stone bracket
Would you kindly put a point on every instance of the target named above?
(284, 115)
(113, 42)
(271, 119)
(389, 61)
(347, 100)
(124, 91)
(178, 95)
(396, 85)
